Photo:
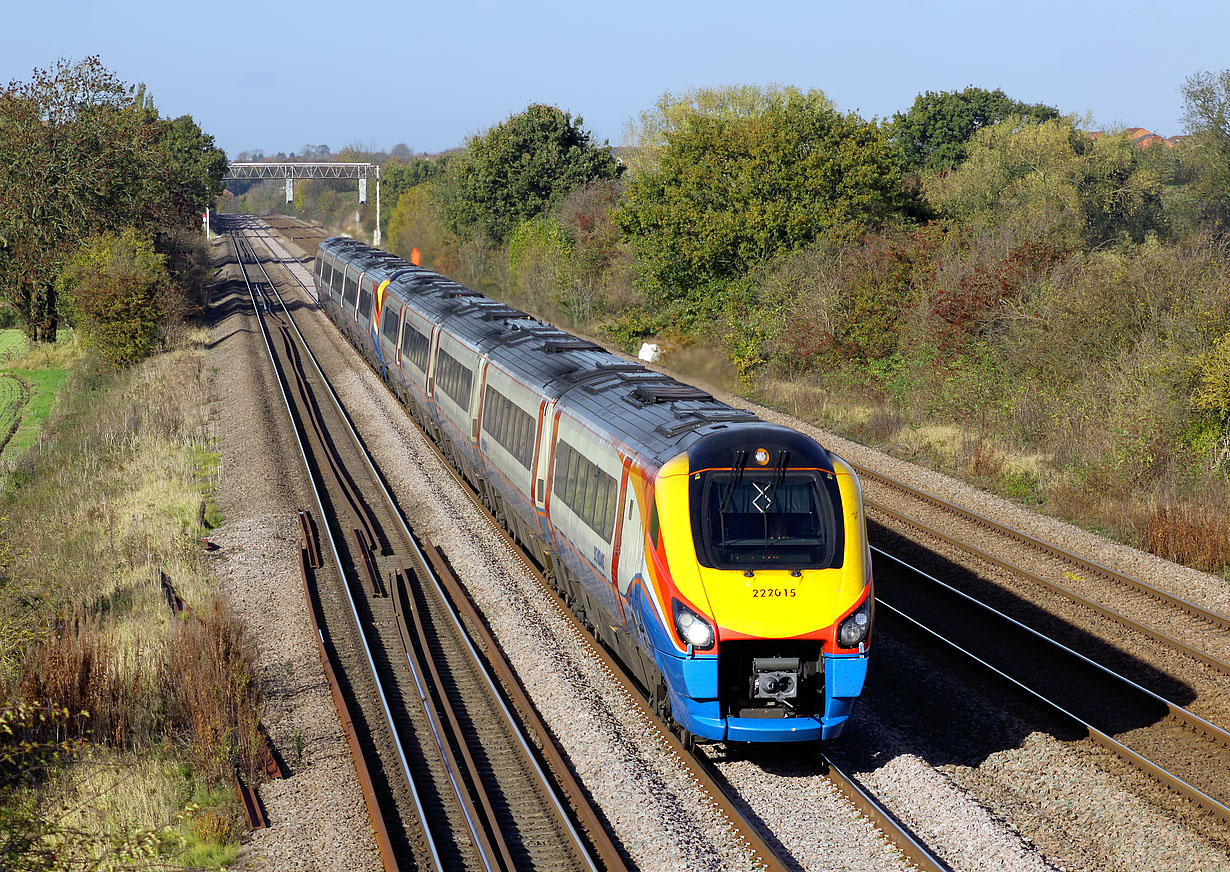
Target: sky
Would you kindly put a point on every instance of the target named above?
(277, 77)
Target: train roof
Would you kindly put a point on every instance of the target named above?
(661, 416)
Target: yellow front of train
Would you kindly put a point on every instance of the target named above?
(761, 564)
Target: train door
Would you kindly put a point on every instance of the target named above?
(476, 398)
(542, 468)
(632, 538)
(546, 437)
(401, 327)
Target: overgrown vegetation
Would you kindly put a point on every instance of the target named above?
(160, 709)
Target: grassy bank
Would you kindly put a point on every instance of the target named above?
(41, 373)
(142, 715)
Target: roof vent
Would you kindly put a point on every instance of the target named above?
(551, 346)
(668, 393)
(504, 313)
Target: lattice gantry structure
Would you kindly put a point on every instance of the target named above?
(302, 170)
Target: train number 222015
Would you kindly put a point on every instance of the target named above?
(774, 591)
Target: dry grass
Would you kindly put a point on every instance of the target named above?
(107, 499)
(207, 682)
(1194, 534)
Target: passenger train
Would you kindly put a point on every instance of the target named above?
(723, 559)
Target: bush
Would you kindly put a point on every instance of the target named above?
(117, 293)
(211, 694)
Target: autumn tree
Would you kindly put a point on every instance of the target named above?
(398, 177)
(733, 189)
(519, 169)
(650, 131)
(1206, 100)
(1051, 182)
(80, 154)
(933, 133)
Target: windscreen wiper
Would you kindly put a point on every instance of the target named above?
(779, 473)
(736, 477)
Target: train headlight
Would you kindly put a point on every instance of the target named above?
(692, 628)
(856, 627)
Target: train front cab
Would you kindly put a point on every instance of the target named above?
(759, 535)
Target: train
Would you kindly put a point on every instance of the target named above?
(722, 558)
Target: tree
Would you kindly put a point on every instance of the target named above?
(650, 131)
(519, 169)
(415, 223)
(1206, 100)
(1051, 182)
(396, 178)
(115, 289)
(70, 165)
(734, 189)
(187, 170)
(933, 133)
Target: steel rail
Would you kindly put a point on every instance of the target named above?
(1185, 717)
(1190, 608)
(609, 853)
(352, 497)
(433, 850)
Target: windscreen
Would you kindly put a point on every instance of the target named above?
(766, 519)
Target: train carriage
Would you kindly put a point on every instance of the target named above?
(724, 559)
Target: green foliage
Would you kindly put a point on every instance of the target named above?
(416, 222)
(731, 191)
(78, 157)
(1210, 435)
(1206, 99)
(519, 170)
(116, 291)
(539, 262)
(651, 131)
(933, 133)
(396, 178)
(1048, 181)
(189, 169)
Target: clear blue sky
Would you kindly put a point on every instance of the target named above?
(279, 76)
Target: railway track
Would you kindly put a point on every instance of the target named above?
(1179, 749)
(1180, 625)
(454, 777)
(698, 765)
(1136, 720)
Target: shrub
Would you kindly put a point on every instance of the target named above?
(539, 263)
(117, 293)
(209, 685)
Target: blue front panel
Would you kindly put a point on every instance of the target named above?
(774, 730)
(844, 675)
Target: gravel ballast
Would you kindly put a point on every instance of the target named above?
(317, 817)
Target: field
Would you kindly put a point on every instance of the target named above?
(29, 382)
